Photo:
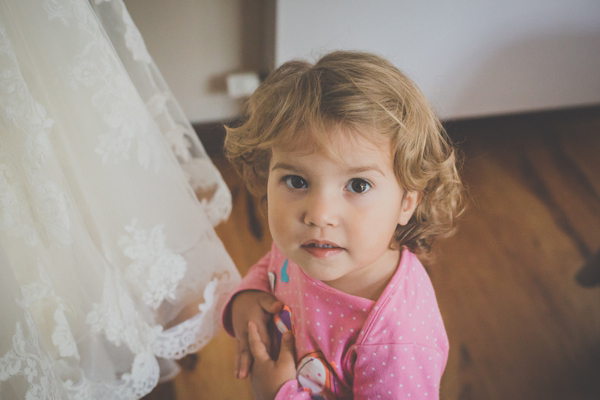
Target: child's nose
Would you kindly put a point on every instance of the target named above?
(321, 210)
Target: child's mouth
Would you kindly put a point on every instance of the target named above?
(321, 249)
(321, 246)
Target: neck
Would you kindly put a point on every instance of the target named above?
(368, 283)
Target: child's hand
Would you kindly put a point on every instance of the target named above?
(258, 307)
(268, 375)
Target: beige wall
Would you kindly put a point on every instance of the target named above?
(196, 43)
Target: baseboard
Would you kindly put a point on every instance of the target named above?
(212, 134)
(457, 126)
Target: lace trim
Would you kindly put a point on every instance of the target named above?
(142, 379)
(191, 335)
(26, 357)
(218, 205)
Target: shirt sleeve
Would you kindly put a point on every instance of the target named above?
(397, 371)
(291, 390)
(257, 278)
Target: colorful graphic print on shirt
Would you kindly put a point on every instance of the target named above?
(316, 376)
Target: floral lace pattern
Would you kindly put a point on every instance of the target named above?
(134, 40)
(110, 89)
(31, 129)
(118, 319)
(201, 173)
(27, 358)
(109, 98)
(12, 212)
(154, 269)
(40, 294)
(88, 139)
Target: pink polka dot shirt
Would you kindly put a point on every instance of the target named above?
(351, 347)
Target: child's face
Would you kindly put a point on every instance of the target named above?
(335, 217)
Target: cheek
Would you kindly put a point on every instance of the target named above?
(375, 224)
(278, 216)
(273, 218)
(273, 201)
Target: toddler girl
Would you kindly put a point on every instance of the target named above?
(358, 176)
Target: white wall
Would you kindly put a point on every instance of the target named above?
(470, 57)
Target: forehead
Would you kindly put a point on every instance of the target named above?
(344, 146)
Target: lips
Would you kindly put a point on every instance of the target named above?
(320, 244)
(321, 248)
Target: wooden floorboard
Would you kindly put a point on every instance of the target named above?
(520, 326)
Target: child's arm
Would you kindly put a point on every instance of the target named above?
(274, 379)
(397, 371)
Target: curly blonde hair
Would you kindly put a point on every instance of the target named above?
(364, 93)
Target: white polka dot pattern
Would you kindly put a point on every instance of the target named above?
(393, 348)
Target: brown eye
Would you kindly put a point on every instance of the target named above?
(295, 182)
(358, 186)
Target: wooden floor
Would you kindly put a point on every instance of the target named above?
(520, 327)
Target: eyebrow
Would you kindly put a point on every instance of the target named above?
(365, 168)
(351, 171)
(281, 165)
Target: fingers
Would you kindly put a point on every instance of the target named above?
(257, 347)
(286, 352)
(246, 310)
(270, 304)
(263, 332)
(243, 358)
(243, 354)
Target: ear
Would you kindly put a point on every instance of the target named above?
(410, 201)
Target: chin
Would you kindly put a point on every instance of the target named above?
(320, 276)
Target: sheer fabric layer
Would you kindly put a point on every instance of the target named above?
(107, 208)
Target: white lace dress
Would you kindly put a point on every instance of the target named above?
(103, 241)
